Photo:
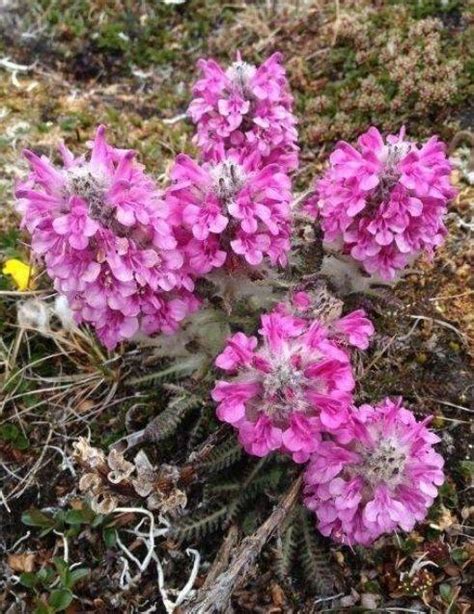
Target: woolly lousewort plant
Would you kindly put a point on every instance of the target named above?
(247, 110)
(383, 202)
(293, 385)
(230, 212)
(99, 223)
(385, 476)
(126, 257)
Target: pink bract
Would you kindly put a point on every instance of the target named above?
(383, 202)
(353, 329)
(385, 478)
(230, 213)
(246, 109)
(356, 328)
(287, 389)
(100, 225)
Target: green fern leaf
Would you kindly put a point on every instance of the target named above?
(265, 481)
(286, 551)
(167, 422)
(224, 489)
(175, 371)
(223, 456)
(197, 527)
(202, 427)
(254, 484)
(314, 557)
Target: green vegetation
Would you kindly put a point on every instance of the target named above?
(130, 65)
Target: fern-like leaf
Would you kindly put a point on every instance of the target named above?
(254, 484)
(314, 557)
(174, 372)
(200, 525)
(265, 481)
(167, 422)
(223, 456)
(184, 402)
(201, 428)
(224, 489)
(286, 551)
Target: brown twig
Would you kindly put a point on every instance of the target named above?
(222, 559)
(215, 599)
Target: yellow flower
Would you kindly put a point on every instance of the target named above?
(20, 272)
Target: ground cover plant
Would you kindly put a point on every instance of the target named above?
(235, 317)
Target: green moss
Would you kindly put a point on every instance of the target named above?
(390, 66)
(420, 9)
(151, 34)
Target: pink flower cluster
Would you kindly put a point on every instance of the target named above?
(245, 109)
(101, 227)
(371, 470)
(384, 202)
(293, 386)
(230, 211)
(381, 475)
(126, 258)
